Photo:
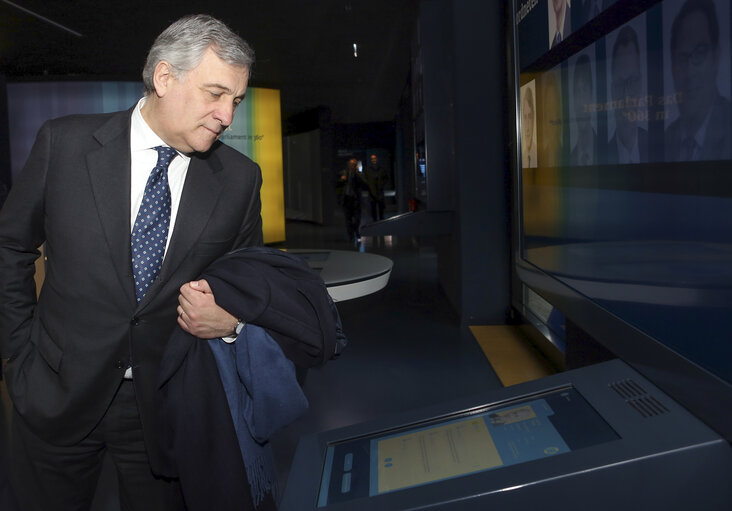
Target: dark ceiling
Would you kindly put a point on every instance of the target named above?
(304, 47)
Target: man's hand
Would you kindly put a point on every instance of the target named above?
(199, 315)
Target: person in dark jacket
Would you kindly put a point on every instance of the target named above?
(376, 177)
(352, 183)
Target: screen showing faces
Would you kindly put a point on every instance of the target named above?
(625, 148)
(519, 431)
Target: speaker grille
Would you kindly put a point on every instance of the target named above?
(638, 399)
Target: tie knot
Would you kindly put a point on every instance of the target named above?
(165, 156)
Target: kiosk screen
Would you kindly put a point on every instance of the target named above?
(473, 441)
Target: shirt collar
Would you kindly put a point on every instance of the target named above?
(142, 136)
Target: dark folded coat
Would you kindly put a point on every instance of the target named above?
(266, 287)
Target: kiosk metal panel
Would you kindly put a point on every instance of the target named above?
(599, 437)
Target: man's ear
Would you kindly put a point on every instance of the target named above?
(162, 77)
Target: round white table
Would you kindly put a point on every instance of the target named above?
(348, 274)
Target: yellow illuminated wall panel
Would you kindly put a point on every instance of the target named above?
(257, 132)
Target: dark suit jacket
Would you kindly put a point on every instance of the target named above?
(574, 154)
(718, 138)
(69, 351)
(584, 11)
(612, 147)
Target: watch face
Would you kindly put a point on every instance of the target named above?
(239, 327)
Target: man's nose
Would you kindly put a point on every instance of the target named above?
(225, 114)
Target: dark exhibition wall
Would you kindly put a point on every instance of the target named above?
(482, 134)
(461, 53)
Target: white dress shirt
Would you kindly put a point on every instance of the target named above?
(143, 141)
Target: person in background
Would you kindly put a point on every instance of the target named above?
(352, 183)
(376, 178)
(99, 191)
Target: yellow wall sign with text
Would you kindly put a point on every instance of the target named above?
(257, 133)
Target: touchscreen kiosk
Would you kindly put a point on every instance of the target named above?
(592, 438)
(487, 438)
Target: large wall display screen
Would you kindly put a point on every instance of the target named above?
(514, 432)
(256, 131)
(624, 163)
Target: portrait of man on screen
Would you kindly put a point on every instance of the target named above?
(697, 86)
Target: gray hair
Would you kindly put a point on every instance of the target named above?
(184, 43)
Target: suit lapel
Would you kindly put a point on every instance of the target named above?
(109, 174)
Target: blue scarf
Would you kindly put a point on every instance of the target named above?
(263, 396)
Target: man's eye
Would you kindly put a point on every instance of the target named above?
(215, 94)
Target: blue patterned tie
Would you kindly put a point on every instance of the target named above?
(151, 226)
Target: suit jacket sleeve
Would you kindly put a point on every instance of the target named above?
(250, 233)
(21, 233)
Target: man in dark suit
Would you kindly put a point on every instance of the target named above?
(376, 177)
(561, 15)
(352, 183)
(584, 151)
(702, 131)
(629, 143)
(83, 357)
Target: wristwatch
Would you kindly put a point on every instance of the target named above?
(239, 326)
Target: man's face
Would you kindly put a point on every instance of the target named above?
(527, 124)
(551, 122)
(694, 65)
(626, 83)
(374, 159)
(198, 107)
